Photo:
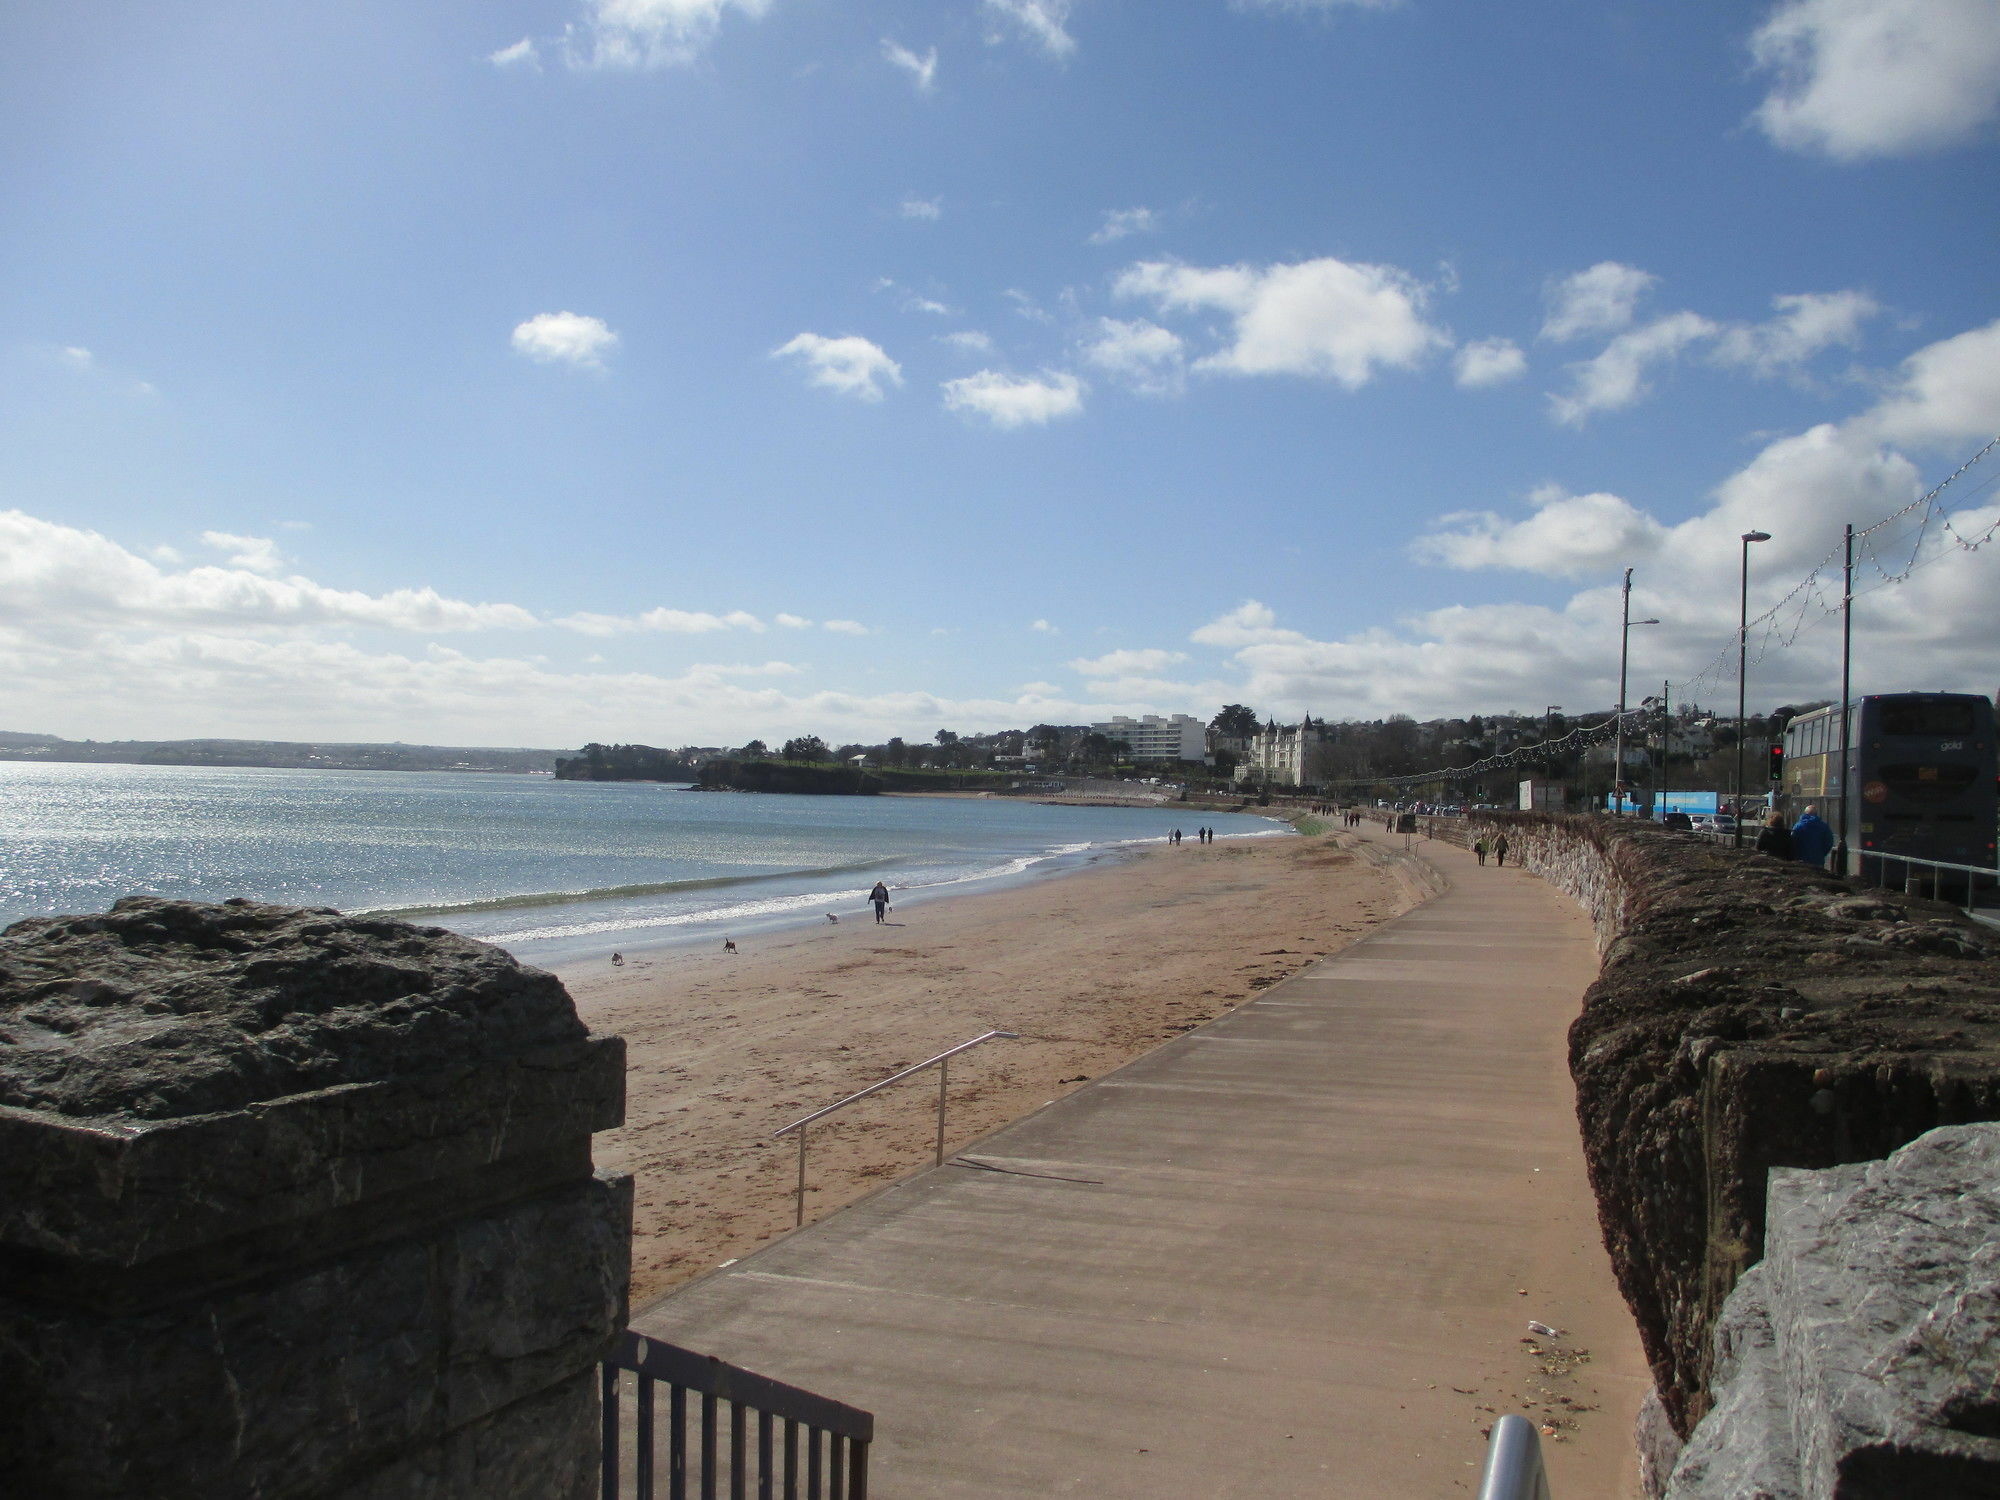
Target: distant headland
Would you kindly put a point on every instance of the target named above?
(280, 754)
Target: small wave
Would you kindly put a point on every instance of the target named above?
(615, 892)
(780, 905)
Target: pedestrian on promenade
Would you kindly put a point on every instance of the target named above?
(1500, 851)
(1812, 839)
(1479, 848)
(880, 898)
(1776, 839)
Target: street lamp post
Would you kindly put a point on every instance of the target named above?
(1742, 664)
(1624, 655)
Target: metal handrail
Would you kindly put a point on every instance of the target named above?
(942, 1062)
(1514, 1462)
(1971, 872)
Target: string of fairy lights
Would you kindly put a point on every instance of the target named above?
(1893, 548)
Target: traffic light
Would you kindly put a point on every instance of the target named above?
(1777, 762)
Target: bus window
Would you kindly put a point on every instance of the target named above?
(1916, 716)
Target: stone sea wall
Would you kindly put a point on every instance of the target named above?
(1750, 1014)
(296, 1206)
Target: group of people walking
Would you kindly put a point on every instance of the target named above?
(1201, 835)
(1809, 841)
(1496, 846)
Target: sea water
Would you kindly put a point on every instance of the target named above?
(551, 870)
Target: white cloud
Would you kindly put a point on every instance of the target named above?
(845, 627)
(927, 305)
(1805, 325)
(1936, 629)
(1119, 222)
(1045, 21)
(1599, 300)
(1949, 393)
(1011, 401)
(922, 69)
(748, 669)
(1044, 628)
(1863, 78)
(662, 620)
(1489, 362)
(1126, 663)
(1617, 376)
(1568, 536)
(1026, 306)
(851, 365)
(1327, 318)
(565, 338)
(970, 340)
(928, 209)
(522, 54)
(1143, 355)
(792, 622)
(648, 33)
(68, 579)
(76, 357)
(258, 554)
(1249, 624)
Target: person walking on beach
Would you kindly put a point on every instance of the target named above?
(1500, 851)
(1479, 848)
(880, 897)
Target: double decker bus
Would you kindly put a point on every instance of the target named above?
(1917, 778)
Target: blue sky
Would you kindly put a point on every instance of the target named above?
(683, 370)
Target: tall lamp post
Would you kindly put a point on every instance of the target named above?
(1742, 665)
(1624, 655)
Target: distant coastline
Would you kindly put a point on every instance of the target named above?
(288, 755)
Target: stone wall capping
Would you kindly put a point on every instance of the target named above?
(294, 1204)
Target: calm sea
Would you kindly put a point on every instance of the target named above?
(552, 870)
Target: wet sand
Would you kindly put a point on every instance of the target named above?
(1092, 968)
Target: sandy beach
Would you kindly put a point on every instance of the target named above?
(1092, 968)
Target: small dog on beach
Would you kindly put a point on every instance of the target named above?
(832, 918)
(729, 945)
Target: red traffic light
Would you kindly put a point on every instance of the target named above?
(1777, 762)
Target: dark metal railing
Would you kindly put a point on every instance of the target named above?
(804, 1447)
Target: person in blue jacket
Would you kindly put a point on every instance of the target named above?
(1812, 839)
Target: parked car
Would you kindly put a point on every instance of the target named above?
(1679, 820)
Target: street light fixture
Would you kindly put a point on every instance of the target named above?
(1742, 662)
(1624, 655)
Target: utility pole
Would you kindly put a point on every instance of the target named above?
(1624, 655)
(1742, 667)
(1666, 741)
(1846, 688)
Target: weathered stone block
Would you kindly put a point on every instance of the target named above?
(1860, 1359)
(292, 1202)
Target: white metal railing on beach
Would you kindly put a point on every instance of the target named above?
(942, 1062)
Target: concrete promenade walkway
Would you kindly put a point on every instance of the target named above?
(1281, 1256)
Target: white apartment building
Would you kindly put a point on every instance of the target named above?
(1181, 737)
